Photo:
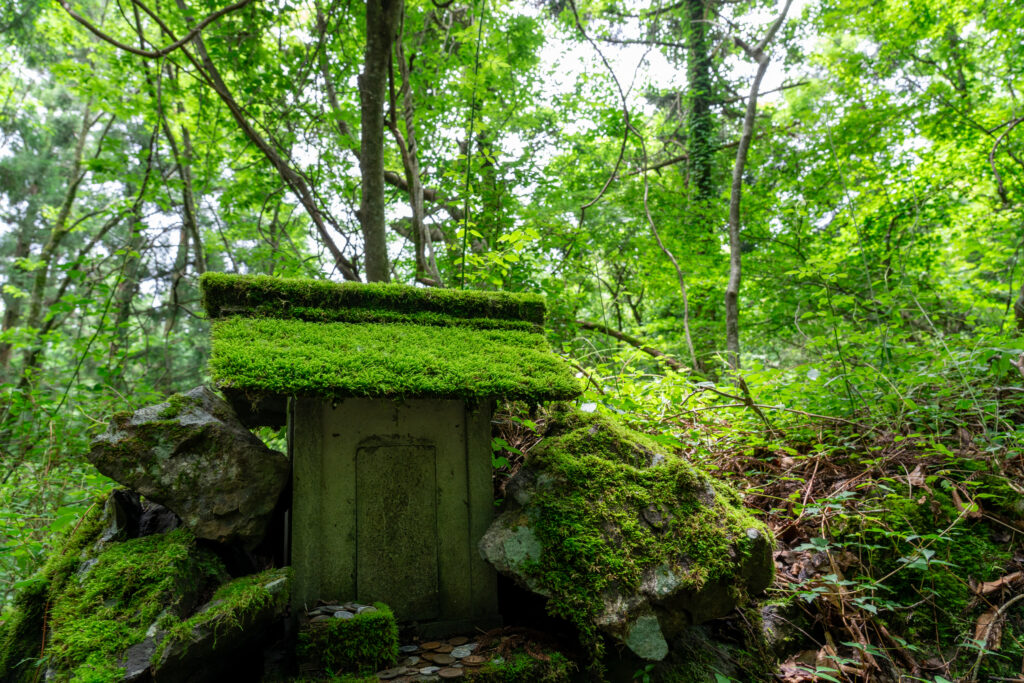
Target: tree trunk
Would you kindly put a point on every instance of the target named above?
(381, 21)
(732, 290)
(699, 143)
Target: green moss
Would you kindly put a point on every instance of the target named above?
(363, 644)
(936, 583)
(233, 607)
(599, 481)
(336, 360)
(108, 604)
(21, 634)
(520, 667)
(176, 405)
(225, 295)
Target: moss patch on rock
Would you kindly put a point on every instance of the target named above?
(234, 607)
(111, 601)
(337, 360)
(520, 667)
(618, 521)
(21, 634)
(361, 645)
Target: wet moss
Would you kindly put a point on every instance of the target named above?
(108, 604)
(589, 517)
(337, 360)
(226, 295)
(361, 645)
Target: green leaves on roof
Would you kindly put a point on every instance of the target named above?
(321, 300)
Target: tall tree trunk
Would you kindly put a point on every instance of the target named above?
(732, 290)
(699, 143)
(18, 279)
(381, 22)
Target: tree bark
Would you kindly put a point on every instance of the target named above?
(699, 143)
(732, 290)
(381, 22)
(634, 342)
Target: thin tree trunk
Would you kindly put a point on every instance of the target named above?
(381, 22)
(292, 179)
(732, 290)
(427, 271)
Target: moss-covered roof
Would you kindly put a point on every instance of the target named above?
(314, 338)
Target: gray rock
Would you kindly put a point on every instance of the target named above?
(682, 521)
(645, 639)
(231, 633)
(193, 456)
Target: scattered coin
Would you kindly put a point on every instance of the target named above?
(458, 640)
(444, 648)
(408, 648)
(427, 670)
(439, 658)
(432, 645)
(450, 673)
(474, 660)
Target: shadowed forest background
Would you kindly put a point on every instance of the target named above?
(789, 247)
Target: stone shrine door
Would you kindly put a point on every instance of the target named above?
(390, 499)
(396, 529)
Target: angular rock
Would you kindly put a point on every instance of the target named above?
(193, 456)
(228, 630)
(620, 534)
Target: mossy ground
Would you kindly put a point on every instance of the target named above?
(521, 667)
(600, 480)
(366, 643)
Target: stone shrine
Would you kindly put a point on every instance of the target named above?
(388, 393)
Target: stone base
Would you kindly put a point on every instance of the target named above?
(443, 629)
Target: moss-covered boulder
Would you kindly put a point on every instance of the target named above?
(624, 537)
(195, 457)
(136, 609)
(209, 645)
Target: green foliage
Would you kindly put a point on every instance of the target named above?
(363, 644)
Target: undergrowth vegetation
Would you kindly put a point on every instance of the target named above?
(889, 471)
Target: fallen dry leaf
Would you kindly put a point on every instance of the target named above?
(990, 587)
